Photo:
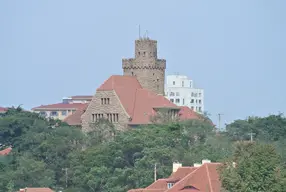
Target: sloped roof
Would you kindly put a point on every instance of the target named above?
(36, 190)
(75, 118)
(192, 179)
(3, 109)
(138, 102)
(59, 106)
(6, 151)
(204, 179)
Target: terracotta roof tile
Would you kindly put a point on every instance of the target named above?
(139, 103)
(75, 118)
(36, 190)
(59, 106)
(192, 179)
(205, 178)
(3, 109)
(6, 151)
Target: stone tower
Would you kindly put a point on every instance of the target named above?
(149, 70)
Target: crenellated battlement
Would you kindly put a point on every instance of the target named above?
(149, 70)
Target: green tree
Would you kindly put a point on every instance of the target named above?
(253, 167)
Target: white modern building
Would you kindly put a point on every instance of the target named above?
(180, 90)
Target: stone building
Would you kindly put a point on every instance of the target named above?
(133, 98)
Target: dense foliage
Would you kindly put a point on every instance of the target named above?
(49, 153)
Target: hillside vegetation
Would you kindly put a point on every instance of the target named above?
(105, 160)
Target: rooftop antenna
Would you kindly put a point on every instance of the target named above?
(139, 32)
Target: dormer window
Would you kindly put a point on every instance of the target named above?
(170, 185)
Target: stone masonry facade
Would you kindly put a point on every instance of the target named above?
(105, 104)
(149, 70)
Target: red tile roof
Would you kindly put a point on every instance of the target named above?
(192, 179)
(6, 151)
(75, 118)
(138, 102)
(59, 106)
(36, 190)
(3, 109)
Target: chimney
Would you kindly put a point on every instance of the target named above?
(176, 166)
(197, 164)
(206, 161)
(22, 190)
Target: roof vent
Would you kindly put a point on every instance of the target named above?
(197, 164)
(206, 161)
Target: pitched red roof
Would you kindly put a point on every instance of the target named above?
(6, 151)
(192, 179)
(75, 118)
(3, 109)
(36, 190)
(139, 103)
(59, 106)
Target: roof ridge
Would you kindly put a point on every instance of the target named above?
(134, 104)
(209, 179)
(184, 178)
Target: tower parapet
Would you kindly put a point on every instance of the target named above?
(149, 70)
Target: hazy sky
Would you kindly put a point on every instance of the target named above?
(234, 49)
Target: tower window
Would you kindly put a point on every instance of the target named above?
(132, 73)
(144, 53)
(153, 74)
(138, 53)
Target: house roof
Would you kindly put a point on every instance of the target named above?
(6, 151)
(139, 103)
(75, 118)
(36, 190)
(3, 109)
(192, 179)
(59, 106)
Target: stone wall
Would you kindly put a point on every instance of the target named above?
(149, 70)
(112, 106)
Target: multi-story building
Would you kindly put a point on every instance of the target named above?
(179, 89)
(62, 110)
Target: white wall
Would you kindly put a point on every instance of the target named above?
(181, 90)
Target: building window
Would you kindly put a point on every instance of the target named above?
(144, 53)
(153, 74)
(200, 101)
(105, 101)
(172, 94)
(177, 94)
(182, 83)
(192, 100)
(139, 53)
(177, 100)
(170, 185)
(183, 101)
(200, 109)
(196, 101)
(43, 113)
(192, 107)
(112, 117)
(190, 84)
(96, 117)
(172, 100)
(174, 82)
(200, 94)
(54, 113)
(64, 113)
